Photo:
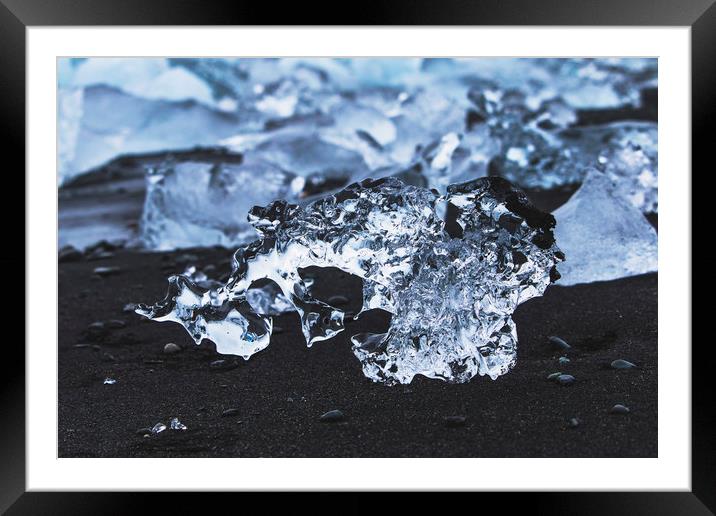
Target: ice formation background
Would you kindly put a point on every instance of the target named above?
(172, 153)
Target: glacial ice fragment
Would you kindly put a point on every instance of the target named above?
(194, 203)
(450, 285)
(604, 235)
(175, 424)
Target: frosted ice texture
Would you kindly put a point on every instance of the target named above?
(604, 236)
(451, 284)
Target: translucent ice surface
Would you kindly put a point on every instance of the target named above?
(196, 203)
(603, 234)
(450, 269)
(99, 123)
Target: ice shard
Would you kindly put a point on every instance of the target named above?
(450, 269)
(603, 234)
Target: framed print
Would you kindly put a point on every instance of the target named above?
(429, 250)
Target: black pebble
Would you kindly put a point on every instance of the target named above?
(223, 365)
(331, 416)
(106, 271)
(454, 421)
(115, 324)
(559, 343)
(619, 409)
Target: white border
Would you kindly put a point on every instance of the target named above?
(670, 471)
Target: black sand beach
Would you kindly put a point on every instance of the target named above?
(280, 393)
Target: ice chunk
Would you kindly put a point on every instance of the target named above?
(631, 160)
(105, 123)
(451, 285)
(603, 235)
(175, 424)
(192, 203)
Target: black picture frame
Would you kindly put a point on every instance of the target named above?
(17, 15)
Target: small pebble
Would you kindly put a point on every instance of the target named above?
(106, 271)
(96, 326)
(619, 409)
(559, 343)
(563, 360)
(153, 361)
(331, 416)
(144, 431)
(565, 379)
(171, 348)
(230, 412)
(337, 300)
(622, 364)
(115, 324)
(454, 421)
(573, 423)
(80, 346)
(109, 381)
(108, 357)
(554, 376)
(223, 365)
(158, 428)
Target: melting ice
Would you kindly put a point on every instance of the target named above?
(604, 236)
(451, 269)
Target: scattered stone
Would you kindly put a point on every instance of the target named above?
(129, 308)
(158, 428)
(454, 421)
(103, 272)
(144, 431)
(230, 412)
(69, 254)
(175, 424)
(109, 381)
(332, 416)
(153, 361)
(559, 343)
(563, 360)
(619, 409)
(223, 365)
(565, 379)
(108, 357)
(171, 348)
(573, 423)
(95, 327)
(337, 300)
(554, 376)
(115, 324)
(81, 346)
(622, 364)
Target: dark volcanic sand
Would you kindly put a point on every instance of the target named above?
(281, 392)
